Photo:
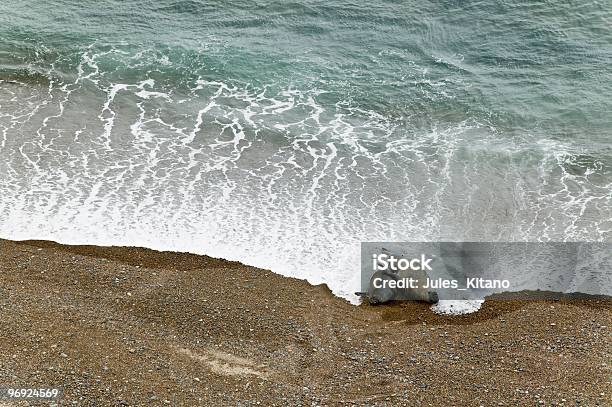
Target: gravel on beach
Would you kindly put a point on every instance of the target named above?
(135, 327)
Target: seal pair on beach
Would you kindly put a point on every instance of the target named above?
(383, 292)
(390, 285)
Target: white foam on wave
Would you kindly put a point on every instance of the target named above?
(274, 179)
(456, 307)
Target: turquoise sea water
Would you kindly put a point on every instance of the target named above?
(282, 134)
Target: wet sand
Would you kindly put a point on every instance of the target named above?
(129, 326)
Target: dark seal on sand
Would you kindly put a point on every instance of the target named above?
(381, 291)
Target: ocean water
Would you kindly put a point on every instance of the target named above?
(282, 134)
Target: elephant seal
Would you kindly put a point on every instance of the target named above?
(380, 293)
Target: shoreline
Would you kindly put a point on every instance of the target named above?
(127, 326)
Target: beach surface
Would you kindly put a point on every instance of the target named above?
(130, 326)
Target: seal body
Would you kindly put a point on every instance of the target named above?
(390, 285)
